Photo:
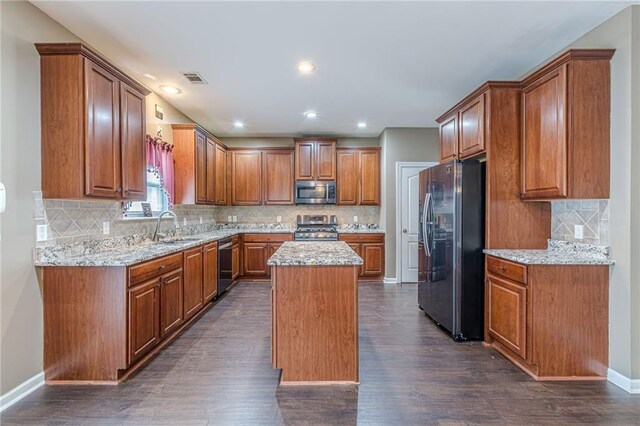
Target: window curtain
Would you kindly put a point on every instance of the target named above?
(160, 162)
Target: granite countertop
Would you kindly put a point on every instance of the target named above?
(557, 253)
(323, 253)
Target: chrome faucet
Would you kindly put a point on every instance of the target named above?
(157, 235)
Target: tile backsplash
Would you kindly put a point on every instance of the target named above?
(592, 214)
(71, 221)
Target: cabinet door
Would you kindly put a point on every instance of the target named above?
(508, 314)
(235, 261)
(544, 137)
(358, 249)
(278, 177)
(305, 161)
(347, 177)
(171, 302)
(193, 281)
(369, 181)
(246, 178)
(133, 146)
(144, 319)
(449, 138)
(472, 128)
(211, 171)
(201, 168)
(326, 160)
(273, 247)
(210, 271)
(255, 259)
(102, 133)
(373, 257)
(221, 176)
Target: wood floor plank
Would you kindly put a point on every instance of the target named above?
(219, 372)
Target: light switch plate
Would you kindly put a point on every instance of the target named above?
(200, 220)
(355, 219)
(229, 219)
(278, 219)
(235, 218)
(105, 228)
(41, 233)
(184, 221)
(578, 231)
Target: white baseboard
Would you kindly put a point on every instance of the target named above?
(630, 385)
(390, 280)
(21, 391)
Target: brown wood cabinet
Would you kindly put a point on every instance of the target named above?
(278, 176)
(536, 316)
(246, 177)
(93, 124)
(200, 166)
(565, 127)
(449, 137)
(235, 257)
(462, 130)
(257, 249)
(193, 281)
(370, 247)
(358, 176)
(171, 302)
(210, 278)
(315, 159)
(144, 318)
(221, 197)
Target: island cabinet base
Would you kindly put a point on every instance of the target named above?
(314, 315)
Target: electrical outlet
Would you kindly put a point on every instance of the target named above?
(278, 219)
(235, 218)
(200, 220)
(105, 228)
(355, 219)
(229, 219)
(41, 233)
(184, 221)
(578, 231)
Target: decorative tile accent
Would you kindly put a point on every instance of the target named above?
(592, 214)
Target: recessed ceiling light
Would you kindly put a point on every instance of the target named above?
(169, 89)
(238, 124)
(306, 67)
(362, 124)
(311, 114)
(150, 76)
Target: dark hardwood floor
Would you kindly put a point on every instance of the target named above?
(219, 372)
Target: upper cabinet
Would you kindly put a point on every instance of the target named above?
(565, 127)
(93, 126)
(462, 130)
(315, 159)
(262, 176)
(200, 166)
(358, 176)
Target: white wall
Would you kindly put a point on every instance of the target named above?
(400, 144)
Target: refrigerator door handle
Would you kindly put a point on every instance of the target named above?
(426, 222)
(432, 218)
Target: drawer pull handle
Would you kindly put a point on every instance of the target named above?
(502, 268)
(162, 266)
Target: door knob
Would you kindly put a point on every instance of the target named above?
(404, 231)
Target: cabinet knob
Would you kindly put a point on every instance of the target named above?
(162, 267)
(118, 189)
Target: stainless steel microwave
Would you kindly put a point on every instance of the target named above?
(315, 192)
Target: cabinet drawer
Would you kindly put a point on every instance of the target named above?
(147, 270)
(267, 238)
(362, 238)
(506, 269)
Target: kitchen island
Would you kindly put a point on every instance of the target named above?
(314, 312)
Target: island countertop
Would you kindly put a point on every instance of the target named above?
(320, 253)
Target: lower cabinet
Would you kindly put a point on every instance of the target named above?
(235, 258)
(370, 247)
(210, 284)
(549, 320)
(256, 250)
(171, 291)
(193, 281)
(144, 318)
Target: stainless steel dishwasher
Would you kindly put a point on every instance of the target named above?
(224, 265)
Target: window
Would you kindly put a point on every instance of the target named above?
(155, 196)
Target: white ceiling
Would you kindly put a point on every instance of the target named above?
(389, 64)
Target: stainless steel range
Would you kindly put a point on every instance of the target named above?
(316, 228)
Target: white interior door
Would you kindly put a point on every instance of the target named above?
(408, 215)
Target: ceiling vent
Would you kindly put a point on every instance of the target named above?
(194, 77)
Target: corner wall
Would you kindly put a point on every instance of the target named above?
(400, 144)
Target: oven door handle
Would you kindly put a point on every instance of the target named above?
(224, 246)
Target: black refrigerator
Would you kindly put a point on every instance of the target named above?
(450, 243)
